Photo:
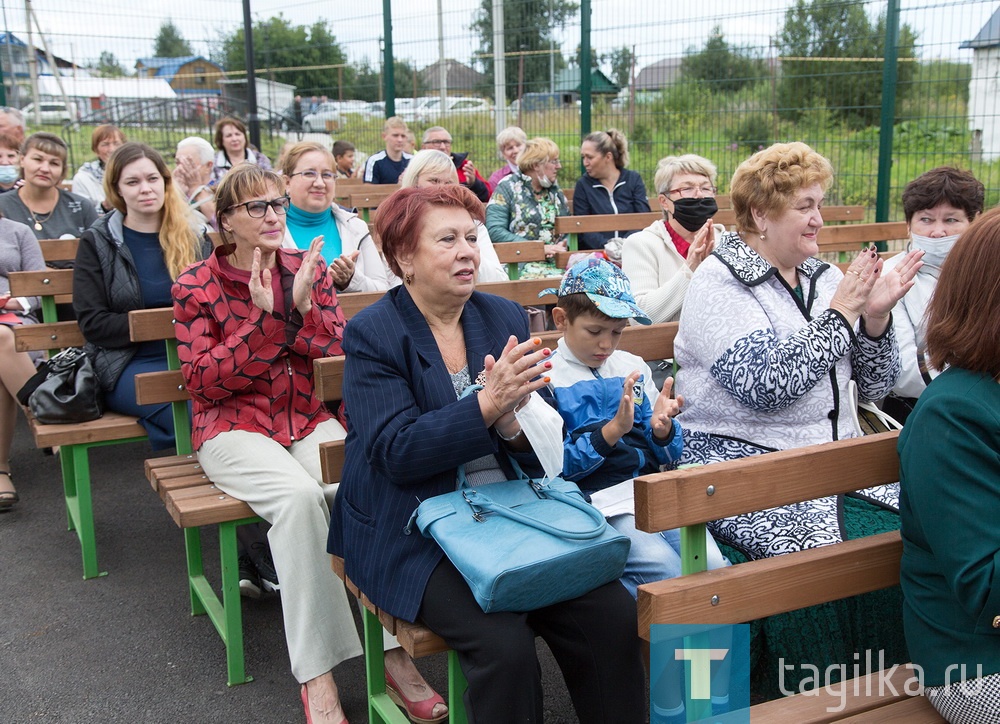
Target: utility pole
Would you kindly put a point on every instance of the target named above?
(32, 65)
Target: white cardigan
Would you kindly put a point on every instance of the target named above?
(659, 274)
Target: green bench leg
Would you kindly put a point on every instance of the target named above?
(75, 464)
(225, 614)
(456, 690)
(80, 505)
(382, 709)
(694, 559)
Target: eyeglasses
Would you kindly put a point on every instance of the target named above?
(689, 192)
(438, 142)
(311, 175)
(258, 209)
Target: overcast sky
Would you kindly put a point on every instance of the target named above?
(81, 29)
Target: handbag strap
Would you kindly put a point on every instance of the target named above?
(476, 498)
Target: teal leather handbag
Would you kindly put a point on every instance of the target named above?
(523, 544)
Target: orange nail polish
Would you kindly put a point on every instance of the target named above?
(536, 340)
(546, 380)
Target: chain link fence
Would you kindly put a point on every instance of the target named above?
(885, 89)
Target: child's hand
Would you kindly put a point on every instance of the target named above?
(624, 419)
(665, 409)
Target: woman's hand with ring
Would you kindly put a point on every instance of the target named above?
(889, 289)
(852, 293)
(519, 371)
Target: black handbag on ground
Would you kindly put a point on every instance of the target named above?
(64, 390)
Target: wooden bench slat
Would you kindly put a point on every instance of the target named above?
(673, 499)
(41, 283)
(204, 505)
(38, 337)
(331, 458)
(157, 388)
(778, 585)
(511, 252)
(156, 466)
(112, 426)
(911, 710)
(852, 236)
(59, 249)
(151, 325)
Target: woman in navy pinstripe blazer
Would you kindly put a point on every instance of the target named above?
(408, 358)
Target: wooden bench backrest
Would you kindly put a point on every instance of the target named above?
(514, 252)
(59, 249)
(676, 498)
(850, 237)
(774, 585)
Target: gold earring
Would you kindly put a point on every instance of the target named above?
(408, 278)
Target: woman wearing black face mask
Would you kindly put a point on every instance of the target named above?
(660, 259)
(607, 187)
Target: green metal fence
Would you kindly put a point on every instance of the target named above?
(884, 89)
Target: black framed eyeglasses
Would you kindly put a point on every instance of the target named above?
(258, 209)
(312, 175)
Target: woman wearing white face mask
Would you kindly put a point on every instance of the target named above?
(939, 205)
(10, 162)
(525, 205)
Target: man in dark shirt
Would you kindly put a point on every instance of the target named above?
(438, 138)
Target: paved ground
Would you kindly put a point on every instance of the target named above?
(124, 648)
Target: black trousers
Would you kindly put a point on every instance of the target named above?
(594, 639)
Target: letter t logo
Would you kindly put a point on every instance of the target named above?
(701, 673)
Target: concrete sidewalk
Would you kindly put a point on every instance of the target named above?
(124, 647)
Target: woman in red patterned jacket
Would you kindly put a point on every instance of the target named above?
(250, 321)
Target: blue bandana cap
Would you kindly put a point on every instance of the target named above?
(605, 285)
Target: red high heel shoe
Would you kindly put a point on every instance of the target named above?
(305, 703)
(419, 712)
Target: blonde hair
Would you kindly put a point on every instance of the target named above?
(427, 160)
(178, 236)
(536, 152)
(766, 181)
(291, 155)
(243, 181)
(611, 141)
(394, 122)
(670, 166)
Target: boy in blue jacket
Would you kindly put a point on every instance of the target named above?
(619, 425)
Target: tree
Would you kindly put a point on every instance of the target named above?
(279, 44)
(529, 26)
(831, 56)
(170, 43)
(595, 59)
(621, 60)
(724, 67)
(368, 80)
(108, 66)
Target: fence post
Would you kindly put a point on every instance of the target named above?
(585, 70)
(388, 74)
(889, 79)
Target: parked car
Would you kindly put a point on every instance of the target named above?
(454, 106)
(544, 102)
(335, 111)
(407, 108)
(51, 112)
(283, 120)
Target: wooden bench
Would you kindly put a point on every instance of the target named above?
(515, 253)
(651, 342)
(575, 225)
(73, 440)
(848, 239)
(745, 592)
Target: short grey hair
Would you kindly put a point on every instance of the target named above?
(670, 166)
(434, 129)
(508, 135)
(16, 115)
(205, 151)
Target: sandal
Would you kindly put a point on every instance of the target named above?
(420, 712)
(8, 497)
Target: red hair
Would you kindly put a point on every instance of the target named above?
(401, 216)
